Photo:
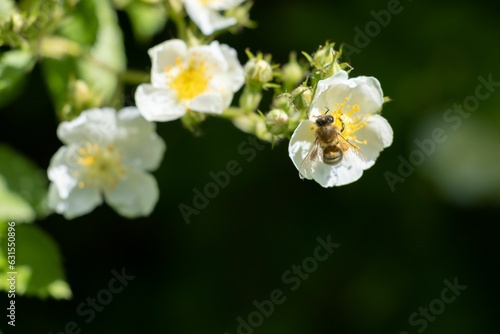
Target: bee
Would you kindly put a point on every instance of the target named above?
(330, 147)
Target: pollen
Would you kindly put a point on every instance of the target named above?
(346, 116)
(101, 166)
(190, 80)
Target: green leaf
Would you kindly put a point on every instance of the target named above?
(38, 263)
(82, 25)
(147, 19)
(57, 76)
(23, 187)
(107, 55)
(14, 66)
(99, 68)
(13, 206)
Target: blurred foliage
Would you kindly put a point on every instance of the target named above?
(146, 18)
(23, 192)
(37, 264)
(23, 188)
(92, 25)
(14, 66)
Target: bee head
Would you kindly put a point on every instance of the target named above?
(324, 120)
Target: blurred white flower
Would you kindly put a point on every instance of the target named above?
(352, 133)
(105, 153)
(205, 14)
(201, 78)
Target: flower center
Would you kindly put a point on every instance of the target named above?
(191, 80)
(102, 167)
(347, 115)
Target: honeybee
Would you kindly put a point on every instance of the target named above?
(330, 147)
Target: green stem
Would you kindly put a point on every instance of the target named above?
(134, 77)
(230, 113)
(180, 24)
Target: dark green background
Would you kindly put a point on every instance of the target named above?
(396, 247)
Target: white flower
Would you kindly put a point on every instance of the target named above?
(105, 153)
(362, 134)
(201, 78)
(205, 14)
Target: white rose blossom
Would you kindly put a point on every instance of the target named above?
(205, 14)
(105, 153)
(354, 105)
(201, 78)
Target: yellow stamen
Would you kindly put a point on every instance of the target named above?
(190, 81)
(101, 166)
(347, 115)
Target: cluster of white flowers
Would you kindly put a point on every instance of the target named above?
(108, 154)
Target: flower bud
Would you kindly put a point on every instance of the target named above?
(292, 73)
(302, 97)
(258, 70)
(276, 121)
(282, 101)
(247, 122)
(242, 16)
(80, 97)
(325, 55)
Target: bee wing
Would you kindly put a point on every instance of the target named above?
(310, 162)
(352, 152)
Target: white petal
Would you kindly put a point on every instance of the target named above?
(164, 55)
(367, 93)
(140, 143)
(339, 77)
(94, 125)
(207, 19)
(224, 4)
(158, 104)
(235, 72)
(211, 55)
(209, 103)
(61, 170)
(339, 175)
(78, 202)
(300, 144)
(319, 107)
(363, 91)
(378, 134)
(136, 195)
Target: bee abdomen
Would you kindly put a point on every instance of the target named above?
(332, 155)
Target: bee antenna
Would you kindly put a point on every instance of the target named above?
(327, 110)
